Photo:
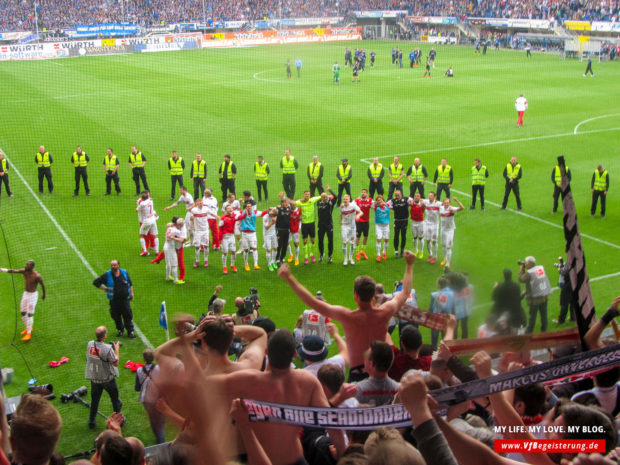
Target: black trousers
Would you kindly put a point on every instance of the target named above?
(416, 186)
(464, 332)
(393, 188)
(329, 231)
(442, 187)
(375, 187)
(139, 174)
(477, 189)
(121, 313)
(595, 196)
(174, 179)
(345, 186)
(199, 187)
(318, 186)
(47, 174)
(96, 389)
(109, 177)
(512, 186)
(262, 186)
(556, 197)
(5, 179)
(282, 244)
(81, 172)
(288, 183)
(228, 187)
(400, 234)
(566, 301)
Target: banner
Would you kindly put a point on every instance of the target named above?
(603, 26)
(433, 19)
(515, 343)
(396, 416)
(104, 30)
(437, 321)
(32, 52)
(578, 25)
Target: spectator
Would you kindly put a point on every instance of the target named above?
(378, 389)
(408, 356)
(314, 353)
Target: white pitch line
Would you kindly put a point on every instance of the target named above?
(594, 119)
(486, 144)
(69, 241)
(279, 81)
(553, 289)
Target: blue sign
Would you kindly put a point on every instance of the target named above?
(106, 30)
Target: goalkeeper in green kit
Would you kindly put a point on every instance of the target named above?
(307, 206)
(336, 71)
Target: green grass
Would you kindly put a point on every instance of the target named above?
(238, 101)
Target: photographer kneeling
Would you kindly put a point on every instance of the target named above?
(537, 288)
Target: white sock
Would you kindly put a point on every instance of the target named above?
(29, 321)
(143, 244)
(157, 245)
(175, 273)
(168, 270)
(233, 257)
(245, 257)
(385, 246)
(205, 251)
(274, 253)
(351, 253)
(378, 247)
(197, 254)
(224, 259)
(345, 252)
(448, 255)
(290, 252)
(255, 257)
(25, 320)
(297, 252)
(435, 247)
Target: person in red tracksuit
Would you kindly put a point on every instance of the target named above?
(364, 201)
(227, 229)
(417, 223)
(295, 220)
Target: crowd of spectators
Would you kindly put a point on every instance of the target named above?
(197, 387)
(19, 15)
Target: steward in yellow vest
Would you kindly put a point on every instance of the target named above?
(80, 161)
(198, 173)
(176, 165)
(479, 175)
(599, 186)
(315, 176)
(344, 175)
(512, 174)
(261, 172)
(289, 167)
(110, 165)
(444, 177)
(44, 163)
(556, 179)
(137, 160)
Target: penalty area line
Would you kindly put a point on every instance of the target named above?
(87, 265)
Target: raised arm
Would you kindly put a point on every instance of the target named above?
(331, 311)
(592, 337)
(399, 299)
(254, 352)
(332, 329)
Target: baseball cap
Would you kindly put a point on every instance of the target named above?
(313, 349)
(345, 159)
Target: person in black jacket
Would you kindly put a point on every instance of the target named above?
(507, 299)
(325, 207)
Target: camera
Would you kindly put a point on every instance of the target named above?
(250, 303)
(521, 262)
(560, 263)
(75, 396)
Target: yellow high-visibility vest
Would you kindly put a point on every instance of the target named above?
(136, 160)
(315, 170)
(478, 176)
(228, 174)
(558, 176)
(444, 174)
(288, 166)
(417, 174)
(110, 162)
(199, 171)
(260, 171)
(600, 181)
(43, 160)
(511, 172)
(344, 173)
(375, 171)
(396, 171)
(79, 159)
(176, 167)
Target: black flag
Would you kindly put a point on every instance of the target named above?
(576, 260)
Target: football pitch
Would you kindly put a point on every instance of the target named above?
(239, 101)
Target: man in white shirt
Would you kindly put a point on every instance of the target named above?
(211, 203)
(349, 214)
(148, 224)
(200, 224)
(447, 212)
(520, 106)
(431, 226)
(186, 199)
